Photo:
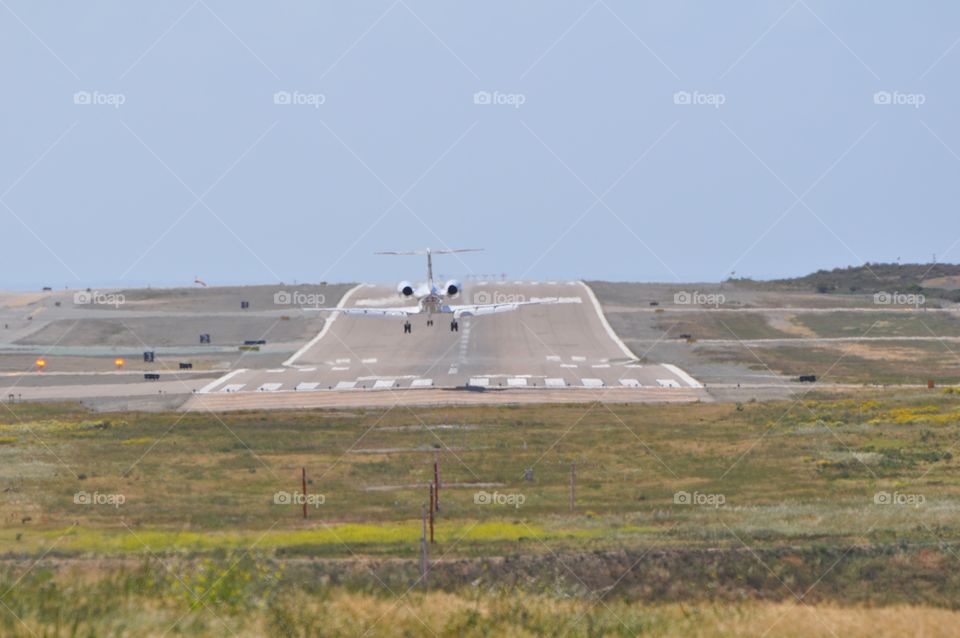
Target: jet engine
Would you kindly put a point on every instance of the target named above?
(405, 289)
(452, 288)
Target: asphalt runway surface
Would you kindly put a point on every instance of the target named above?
(549, 349)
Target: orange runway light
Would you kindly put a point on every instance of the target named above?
(119, 362)
(41, 363)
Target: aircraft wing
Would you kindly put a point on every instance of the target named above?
(371, 312)
(480, 309)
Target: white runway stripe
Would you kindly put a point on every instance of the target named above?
(592, 383)
(383, 384)
(210, 386)
(480, 382)
(233, 387)
(683, 376)
(326, 326)
(516, 382)
(269, 387)
(630, 383)
(345, 385)
(421, 383)
(307, 385)
(668, 383)
(555, 383)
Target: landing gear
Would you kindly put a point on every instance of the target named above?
(454, 326)
(429, 322)
(407, 328)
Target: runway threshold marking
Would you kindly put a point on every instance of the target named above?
(480, 382)
(630, 383)
(269, 387)
(592, 383)
(668, 383)
(307, 385)
(345, 385)
(517, 382)
(555, 383)
(233, 387)
(421, 383)
(383, 384)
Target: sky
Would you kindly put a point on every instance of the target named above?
(152, 143)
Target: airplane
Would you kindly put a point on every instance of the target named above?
(433, 299)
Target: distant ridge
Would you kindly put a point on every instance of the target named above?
(934, 280)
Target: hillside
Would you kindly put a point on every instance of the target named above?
(933, 280)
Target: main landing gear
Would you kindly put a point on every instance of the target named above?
(454, 326)
(429, 322)
(407, 328)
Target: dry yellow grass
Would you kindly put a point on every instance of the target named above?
(494, 615)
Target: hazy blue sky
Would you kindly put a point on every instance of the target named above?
(587, 163)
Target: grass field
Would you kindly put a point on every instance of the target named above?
(702, 519)
(886, 362)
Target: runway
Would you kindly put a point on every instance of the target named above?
(552, 348)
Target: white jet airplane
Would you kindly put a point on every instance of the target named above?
(432, 299)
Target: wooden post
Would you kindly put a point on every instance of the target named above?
(424, 562)
(573, 486)
(436, 484)
(433, 504)
(303, 479)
